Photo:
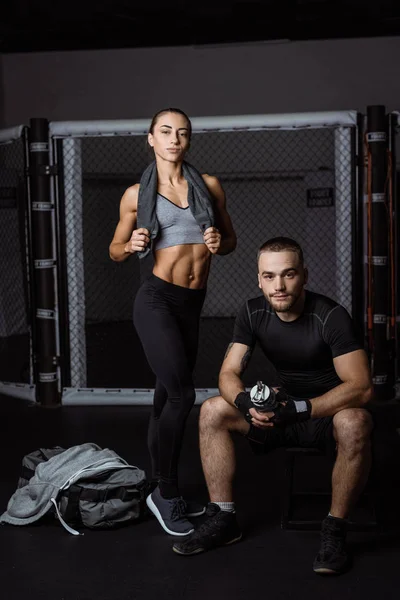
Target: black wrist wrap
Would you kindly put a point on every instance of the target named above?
(243, 403)
(294, 411)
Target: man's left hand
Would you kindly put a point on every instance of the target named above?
(291, 411)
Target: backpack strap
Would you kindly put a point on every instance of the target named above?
(72, 513)
(95, 495)
(75, 493)
(43, 455)
(27, 473)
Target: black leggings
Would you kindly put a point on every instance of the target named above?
(166, 317)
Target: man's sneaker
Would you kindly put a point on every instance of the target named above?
(170, 512)
(220, 529)
(332, 557)
(194, 509)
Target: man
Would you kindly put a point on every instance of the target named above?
(326, 385)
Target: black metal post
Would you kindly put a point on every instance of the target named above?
(393, 206)
(45, 352)
(377, 268)
(396, 196)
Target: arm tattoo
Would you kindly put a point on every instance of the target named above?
(245, 360)
(228, 350)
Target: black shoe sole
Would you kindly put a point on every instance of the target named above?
(321, 570)
(326, 571)
(200, 512)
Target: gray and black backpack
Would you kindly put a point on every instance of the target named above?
(99, 495)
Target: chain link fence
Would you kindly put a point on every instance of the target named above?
(15, 344)
(295, 182)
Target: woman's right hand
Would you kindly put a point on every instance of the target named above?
(139, 240)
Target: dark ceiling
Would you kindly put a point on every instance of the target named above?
(45, 25)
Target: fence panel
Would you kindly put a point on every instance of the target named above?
(15, 341)
(294, 182)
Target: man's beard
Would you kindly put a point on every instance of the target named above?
(283, 306)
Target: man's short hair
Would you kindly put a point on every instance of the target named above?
(279, 244)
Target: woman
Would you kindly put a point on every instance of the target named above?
(181, 217)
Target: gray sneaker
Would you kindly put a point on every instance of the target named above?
(170, 512)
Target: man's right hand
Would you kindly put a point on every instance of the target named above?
(139, 240)
(244, 403)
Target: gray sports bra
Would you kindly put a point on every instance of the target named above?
(177, 225)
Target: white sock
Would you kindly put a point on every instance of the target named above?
(226, 506)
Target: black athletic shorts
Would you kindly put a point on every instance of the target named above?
(314, 433)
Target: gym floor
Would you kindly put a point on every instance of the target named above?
(44, 562)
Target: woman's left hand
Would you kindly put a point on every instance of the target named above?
(212, 239)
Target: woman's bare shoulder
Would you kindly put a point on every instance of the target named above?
(214, 186)
(130, 198)
(210, 179)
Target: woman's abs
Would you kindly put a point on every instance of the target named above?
(186, 265)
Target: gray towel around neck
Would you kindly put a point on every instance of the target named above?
(199, 199)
